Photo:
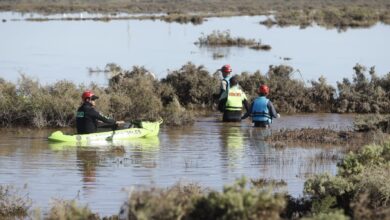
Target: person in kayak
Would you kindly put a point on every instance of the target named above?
(234, 102)
(87, 116)
(225, 85)
(262, 110)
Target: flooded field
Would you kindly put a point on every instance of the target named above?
(210, 153)
(56, 50)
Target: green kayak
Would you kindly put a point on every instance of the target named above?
(144, 129)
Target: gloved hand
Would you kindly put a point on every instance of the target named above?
(278, 115)
(245, 116)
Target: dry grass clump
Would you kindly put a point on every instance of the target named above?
(331, 17)
(12, 204)
(64, 210)
(268, 182)
(321, 136)
(224, 39)
(172, 203)
(183, 18)
(370, 122)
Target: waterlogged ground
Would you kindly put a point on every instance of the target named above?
(210, 153)
(55, 50)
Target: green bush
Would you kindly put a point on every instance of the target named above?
(239, 202)
(360, 175)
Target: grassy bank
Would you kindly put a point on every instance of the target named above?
(177, 98)
(334, 13)
(360, 190)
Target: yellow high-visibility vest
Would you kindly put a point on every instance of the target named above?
(235, 98)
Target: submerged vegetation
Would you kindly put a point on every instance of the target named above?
(224, 39)
(360, 190)
(137, 94)
(323, 136)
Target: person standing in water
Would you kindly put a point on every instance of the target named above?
(224, 87)
(235, 100)
(262, 110)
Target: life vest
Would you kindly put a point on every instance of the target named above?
(234, 99)
(223, 93)
(259, 111)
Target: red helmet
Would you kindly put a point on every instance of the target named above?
(88, 94)
(263, 89)
(226, 68)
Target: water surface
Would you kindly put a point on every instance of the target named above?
(210, 153)
(55, 50)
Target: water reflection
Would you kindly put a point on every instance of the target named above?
(210, 153)
(232, 140)
(87, 161)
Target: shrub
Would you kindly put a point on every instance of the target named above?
(360, 186)
(64, 210)
(172, 203)
(238, 202)
(12, 204)
(193, 85)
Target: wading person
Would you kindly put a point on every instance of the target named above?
(262, 110)
(87, 116)
(235, 100)
(225, 85)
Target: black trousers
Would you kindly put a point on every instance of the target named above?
(231, 116)
(261, 124)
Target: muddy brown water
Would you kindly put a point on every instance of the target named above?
(210, 153)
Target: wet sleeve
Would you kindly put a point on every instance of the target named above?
(272, 110)
(246, 105)
(245, 102)
(101, 117)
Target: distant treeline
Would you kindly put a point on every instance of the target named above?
(177, 98)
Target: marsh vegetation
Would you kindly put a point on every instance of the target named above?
(184, 92)
(224, 39)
